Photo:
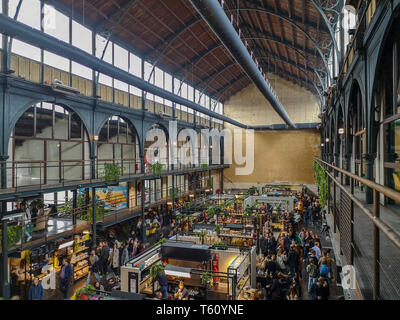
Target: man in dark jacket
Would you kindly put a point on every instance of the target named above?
(320, 290)
(271, 243)
(293, 260)
(273, 287)
(263, 245)
(162, 280)
(65, 277)
(94, 267)
(270, 266)
(104, 257)
(36, 291)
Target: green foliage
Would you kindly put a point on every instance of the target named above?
(221, 245)
(251, 211)
(206, 278)
(204, 165)
(112, 173)
(253, 191)
(13, 235)
(155, 270)
(322, 180)
(227, 205)
(218, 229)
(156, 168)
(87, 290)
(101, 211)
(173, 193)
(161, 241)
(214, 210)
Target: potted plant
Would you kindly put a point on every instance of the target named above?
(155, 270)
(156, 168)
(204, 165)
(220, 245)
(201, 235)
(112, 173)
(207, 279)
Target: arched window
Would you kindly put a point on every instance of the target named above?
(49, 145)
(118, 143)
(390, 124)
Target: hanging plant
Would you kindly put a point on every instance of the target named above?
(322, 181)
(156, 168)
(112, 173)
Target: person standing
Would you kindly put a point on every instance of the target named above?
(93, 267)
(124, 254)
(36, 291)
(65, 277)
(104, 257)
(115, 259)
(162, 280)
(26, 221)
(293, 261)
(34, 214)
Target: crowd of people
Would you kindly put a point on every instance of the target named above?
(297, 257)
(294, 257)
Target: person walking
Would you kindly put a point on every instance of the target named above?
(310, 209)
(65, 277)
(312, 272)
(325, 270)
(93, 267)
(36, 291)
(281, 260)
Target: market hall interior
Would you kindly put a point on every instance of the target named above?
(199, 150)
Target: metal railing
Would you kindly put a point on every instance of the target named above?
(25, 175)
(350, 217)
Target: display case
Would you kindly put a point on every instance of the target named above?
(239, 271)
(135, 275)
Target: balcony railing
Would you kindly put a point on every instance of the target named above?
(366, 240)
(41, 175)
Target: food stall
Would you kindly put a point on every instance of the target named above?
(207, 272)
(45, 261)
